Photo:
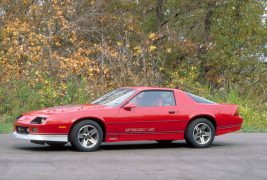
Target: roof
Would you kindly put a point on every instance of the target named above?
(150, 88)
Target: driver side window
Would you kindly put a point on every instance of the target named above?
(154, 99)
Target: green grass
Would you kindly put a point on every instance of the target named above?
(6, 127)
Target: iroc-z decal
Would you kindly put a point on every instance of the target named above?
(133, 130)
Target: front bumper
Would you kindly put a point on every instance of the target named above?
(37, 137)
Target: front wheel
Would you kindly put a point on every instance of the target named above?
(86, 136)
(200, 133)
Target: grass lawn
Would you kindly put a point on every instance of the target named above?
(6, 127)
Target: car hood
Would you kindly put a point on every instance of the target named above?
(63, 109)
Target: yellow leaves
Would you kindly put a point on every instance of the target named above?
(57, 43)
(119, 43)
(25, 1)
(28, 44)
(137, 50)
(113, 53)
(77, 63)
(21, 49)
(152, 36)
(152, 48)
(106, 71)
(130, 27)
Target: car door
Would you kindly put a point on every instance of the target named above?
(150, 115)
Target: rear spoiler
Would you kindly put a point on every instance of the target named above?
(230, 108)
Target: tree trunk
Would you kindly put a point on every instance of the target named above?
(159, 13)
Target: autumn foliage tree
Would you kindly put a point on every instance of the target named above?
(72, 51)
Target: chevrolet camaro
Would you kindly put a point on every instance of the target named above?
(131, 114)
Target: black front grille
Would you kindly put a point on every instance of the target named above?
(22, 130)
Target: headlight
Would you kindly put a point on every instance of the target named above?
(38, 120)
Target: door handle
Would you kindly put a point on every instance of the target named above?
(172, 112)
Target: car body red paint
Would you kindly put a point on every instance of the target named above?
(137, 123)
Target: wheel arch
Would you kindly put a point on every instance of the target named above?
(189, 136)
(206, 116)
(95, 119)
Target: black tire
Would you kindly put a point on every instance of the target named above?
(56, 144)
(189, 134)
(164, 141)
(75, 141)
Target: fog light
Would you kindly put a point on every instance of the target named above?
(34, 130)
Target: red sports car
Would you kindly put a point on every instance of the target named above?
(131, 114)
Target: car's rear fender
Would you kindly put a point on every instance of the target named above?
(230, 109)
(228, 115)
(228, 119)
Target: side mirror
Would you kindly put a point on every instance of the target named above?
(129, 106)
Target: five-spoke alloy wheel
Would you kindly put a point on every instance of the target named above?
(86, 135)
(200, 133)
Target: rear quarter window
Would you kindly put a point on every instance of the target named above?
(199, 99)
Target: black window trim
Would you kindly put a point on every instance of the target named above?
(127, 101)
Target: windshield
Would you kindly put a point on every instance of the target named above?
(115, 98)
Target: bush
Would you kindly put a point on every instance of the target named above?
(251, 108)
(23, 97)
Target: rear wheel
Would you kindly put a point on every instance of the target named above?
(86, 136)
(56, 144)
(200, 133)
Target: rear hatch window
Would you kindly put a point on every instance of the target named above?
(200, 99)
